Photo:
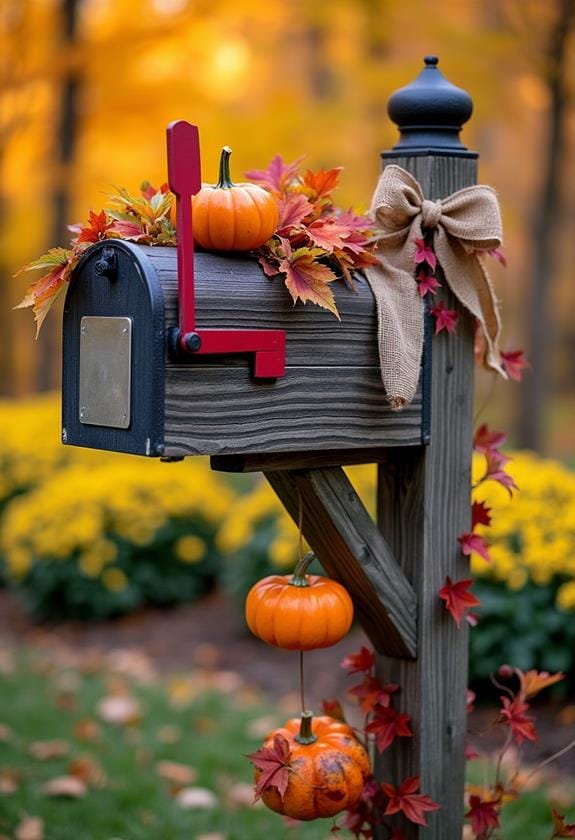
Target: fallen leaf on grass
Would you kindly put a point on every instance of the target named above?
(87, 770)
(216, 836)
(67, 786)
(179, 775)
(119, 710)
(30, 828)
(6, 733)
(192, 798)
(169, 734)
(45, 750)
(9, 781)
(87, 730)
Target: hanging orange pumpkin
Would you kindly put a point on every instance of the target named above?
(328, 768)
(233, 217)
(299, 611)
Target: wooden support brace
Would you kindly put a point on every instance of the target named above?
(352, 550)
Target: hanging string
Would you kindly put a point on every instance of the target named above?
(300, 553)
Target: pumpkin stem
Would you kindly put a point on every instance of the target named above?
(224, 181)
(305, 735)
(299, 576)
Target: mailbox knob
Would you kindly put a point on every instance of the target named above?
(105, 265)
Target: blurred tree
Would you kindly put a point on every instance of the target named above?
(546, 224)
(65, 141)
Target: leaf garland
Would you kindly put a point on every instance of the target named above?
(315, 243)
(144, 219)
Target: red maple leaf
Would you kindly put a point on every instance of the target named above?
(497, 255)
(328, 234)
(277, 176)
(480, 514)
(274, 766)
(352, 221)
(371, 691)
(332, 707)
(293, 208)
(474, 543)
(308, 279)
(358, 663)
(148, 191)
(560, 827)
(322, 182)
(483, 815)
(387, 725)
(96, 228)
(424, 254)
(485, 440)
(408, 801)
(513, 363)
(495, 472)
(427, 283)
(457, 598)
(129, 230)
(513, 713)
(445, 319)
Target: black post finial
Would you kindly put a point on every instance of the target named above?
(429, 113)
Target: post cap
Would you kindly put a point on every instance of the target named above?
(430, 112)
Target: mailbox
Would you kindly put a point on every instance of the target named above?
(170, 354)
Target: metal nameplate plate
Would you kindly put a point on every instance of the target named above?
(105, 371)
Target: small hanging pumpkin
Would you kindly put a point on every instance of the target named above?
(233, 217)
(299, 612)
(328, 768)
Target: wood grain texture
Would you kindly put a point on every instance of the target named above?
(331, 397)
(353, 551)
(423, 506)
(303, 460)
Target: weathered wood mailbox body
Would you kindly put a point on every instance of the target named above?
(129, 394)
(128, 388)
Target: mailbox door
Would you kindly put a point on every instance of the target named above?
(113, 352)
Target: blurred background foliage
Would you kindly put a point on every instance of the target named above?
(88, 86)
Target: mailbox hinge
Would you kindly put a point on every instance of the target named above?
(187, 340)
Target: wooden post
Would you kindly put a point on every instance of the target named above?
(424, 494)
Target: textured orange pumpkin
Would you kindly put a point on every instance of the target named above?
(233, 217)
(299, 611)
(328, 768)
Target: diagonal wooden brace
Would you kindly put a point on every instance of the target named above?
(352, 550)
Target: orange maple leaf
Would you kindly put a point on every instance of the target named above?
(308, 279)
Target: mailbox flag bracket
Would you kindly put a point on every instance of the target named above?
(268, 346)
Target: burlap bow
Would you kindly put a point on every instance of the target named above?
(463, 223)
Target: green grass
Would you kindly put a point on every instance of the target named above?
(42, 698)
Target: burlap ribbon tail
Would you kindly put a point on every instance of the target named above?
(463, 223)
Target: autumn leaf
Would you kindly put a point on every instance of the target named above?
(66, 786)
(513, 714)
(131, 230)
(406, 800)
(469, 701)
(495, 472)
(328, 234)
(307, 279)
(322, 182)
(274, 766)
(514, 363)
(44, 750)
(427, 284)
(87, 769)
(29, 828)
(179, 775)
(121, 710)
(424, 254)
(333, 708)
(277, 176)
(480, 514)
(458, 598)
(293, 208)
(371, 691)
(532, 682)
(485, 440)
(445, 319)
(483, 814)
(474, 543)
(387, 725)
(358, 663)
(43, 293)
(497, 255)
(96, 228)
(560, 827)
(196, 799)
